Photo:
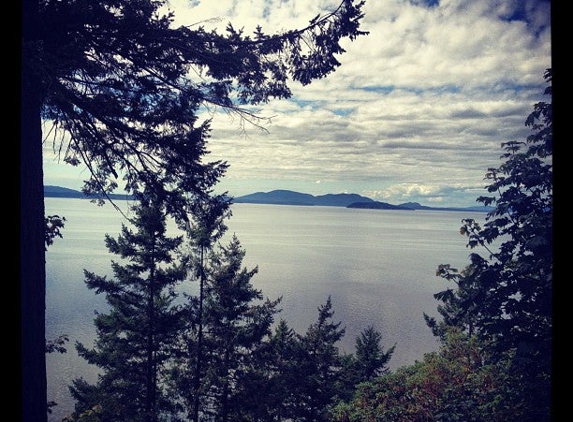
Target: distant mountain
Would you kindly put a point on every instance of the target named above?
(376, 205)
(60, 192)
(348, 200)
(417, 206)
(288, 197)
(277, 197)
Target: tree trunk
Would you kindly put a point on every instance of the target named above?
(32, 264)
(32, 232)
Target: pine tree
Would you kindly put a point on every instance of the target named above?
(205, 228)
(279, 374)
(238, 322)
(319, 367)
(505, 297)
(371, 359)
(114, 79)
(234, 326)
(133, 343)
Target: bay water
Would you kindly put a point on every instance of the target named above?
(377, 266)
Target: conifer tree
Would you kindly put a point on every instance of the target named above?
(278, 375)
(226, 334)
(319, 367)
(238, 321)
(205, 228)
(371, 359)
(134, 338)
(114, 83)
(505, 297)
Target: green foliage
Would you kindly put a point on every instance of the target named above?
(238, 323)
(457, 383)
(215, 358)
(280, 374)
(505, 298)
(215, 373)
(134, 339)
(494, 363)
(57, 345)
(90, 415)
(371, 360)
(54, 226)
(314, 384)
(117, 76)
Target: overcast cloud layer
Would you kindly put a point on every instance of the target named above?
(416, 111)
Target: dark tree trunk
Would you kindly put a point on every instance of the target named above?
(32, 232)
(33, 271)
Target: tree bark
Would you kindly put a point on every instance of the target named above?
(32, 232)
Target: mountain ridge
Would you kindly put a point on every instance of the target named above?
(52, 191)
(348, 200)
(288, 197)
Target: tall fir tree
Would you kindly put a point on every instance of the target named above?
(238, 320)
(505, 298)
(134, 339)
(319, 367)
(115, 80)
(228, 324)
(369, 361)
(278, 375)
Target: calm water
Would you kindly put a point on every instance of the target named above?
(378, 267)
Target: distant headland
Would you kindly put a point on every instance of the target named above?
(348, 200)
(288, 197)
(61, 192)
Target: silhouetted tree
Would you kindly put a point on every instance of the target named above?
(318, 367)
(203, 231)
(273, 393)
(505, 298)
(227, 325)
(134, 339)
(371, 360)
(114, 80)
(238, 321)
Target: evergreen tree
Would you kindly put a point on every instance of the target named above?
(204, 230)
(369, 362)
(238, 322)
(115, 81)
(279, 374)
(371, 359)
(506, 298)
(133, 344)
(319, 367)
(232, 327)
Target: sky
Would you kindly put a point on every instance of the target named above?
(416, 112)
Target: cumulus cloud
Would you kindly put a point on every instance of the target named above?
(417, 110)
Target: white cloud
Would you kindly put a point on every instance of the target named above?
(417, 110)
